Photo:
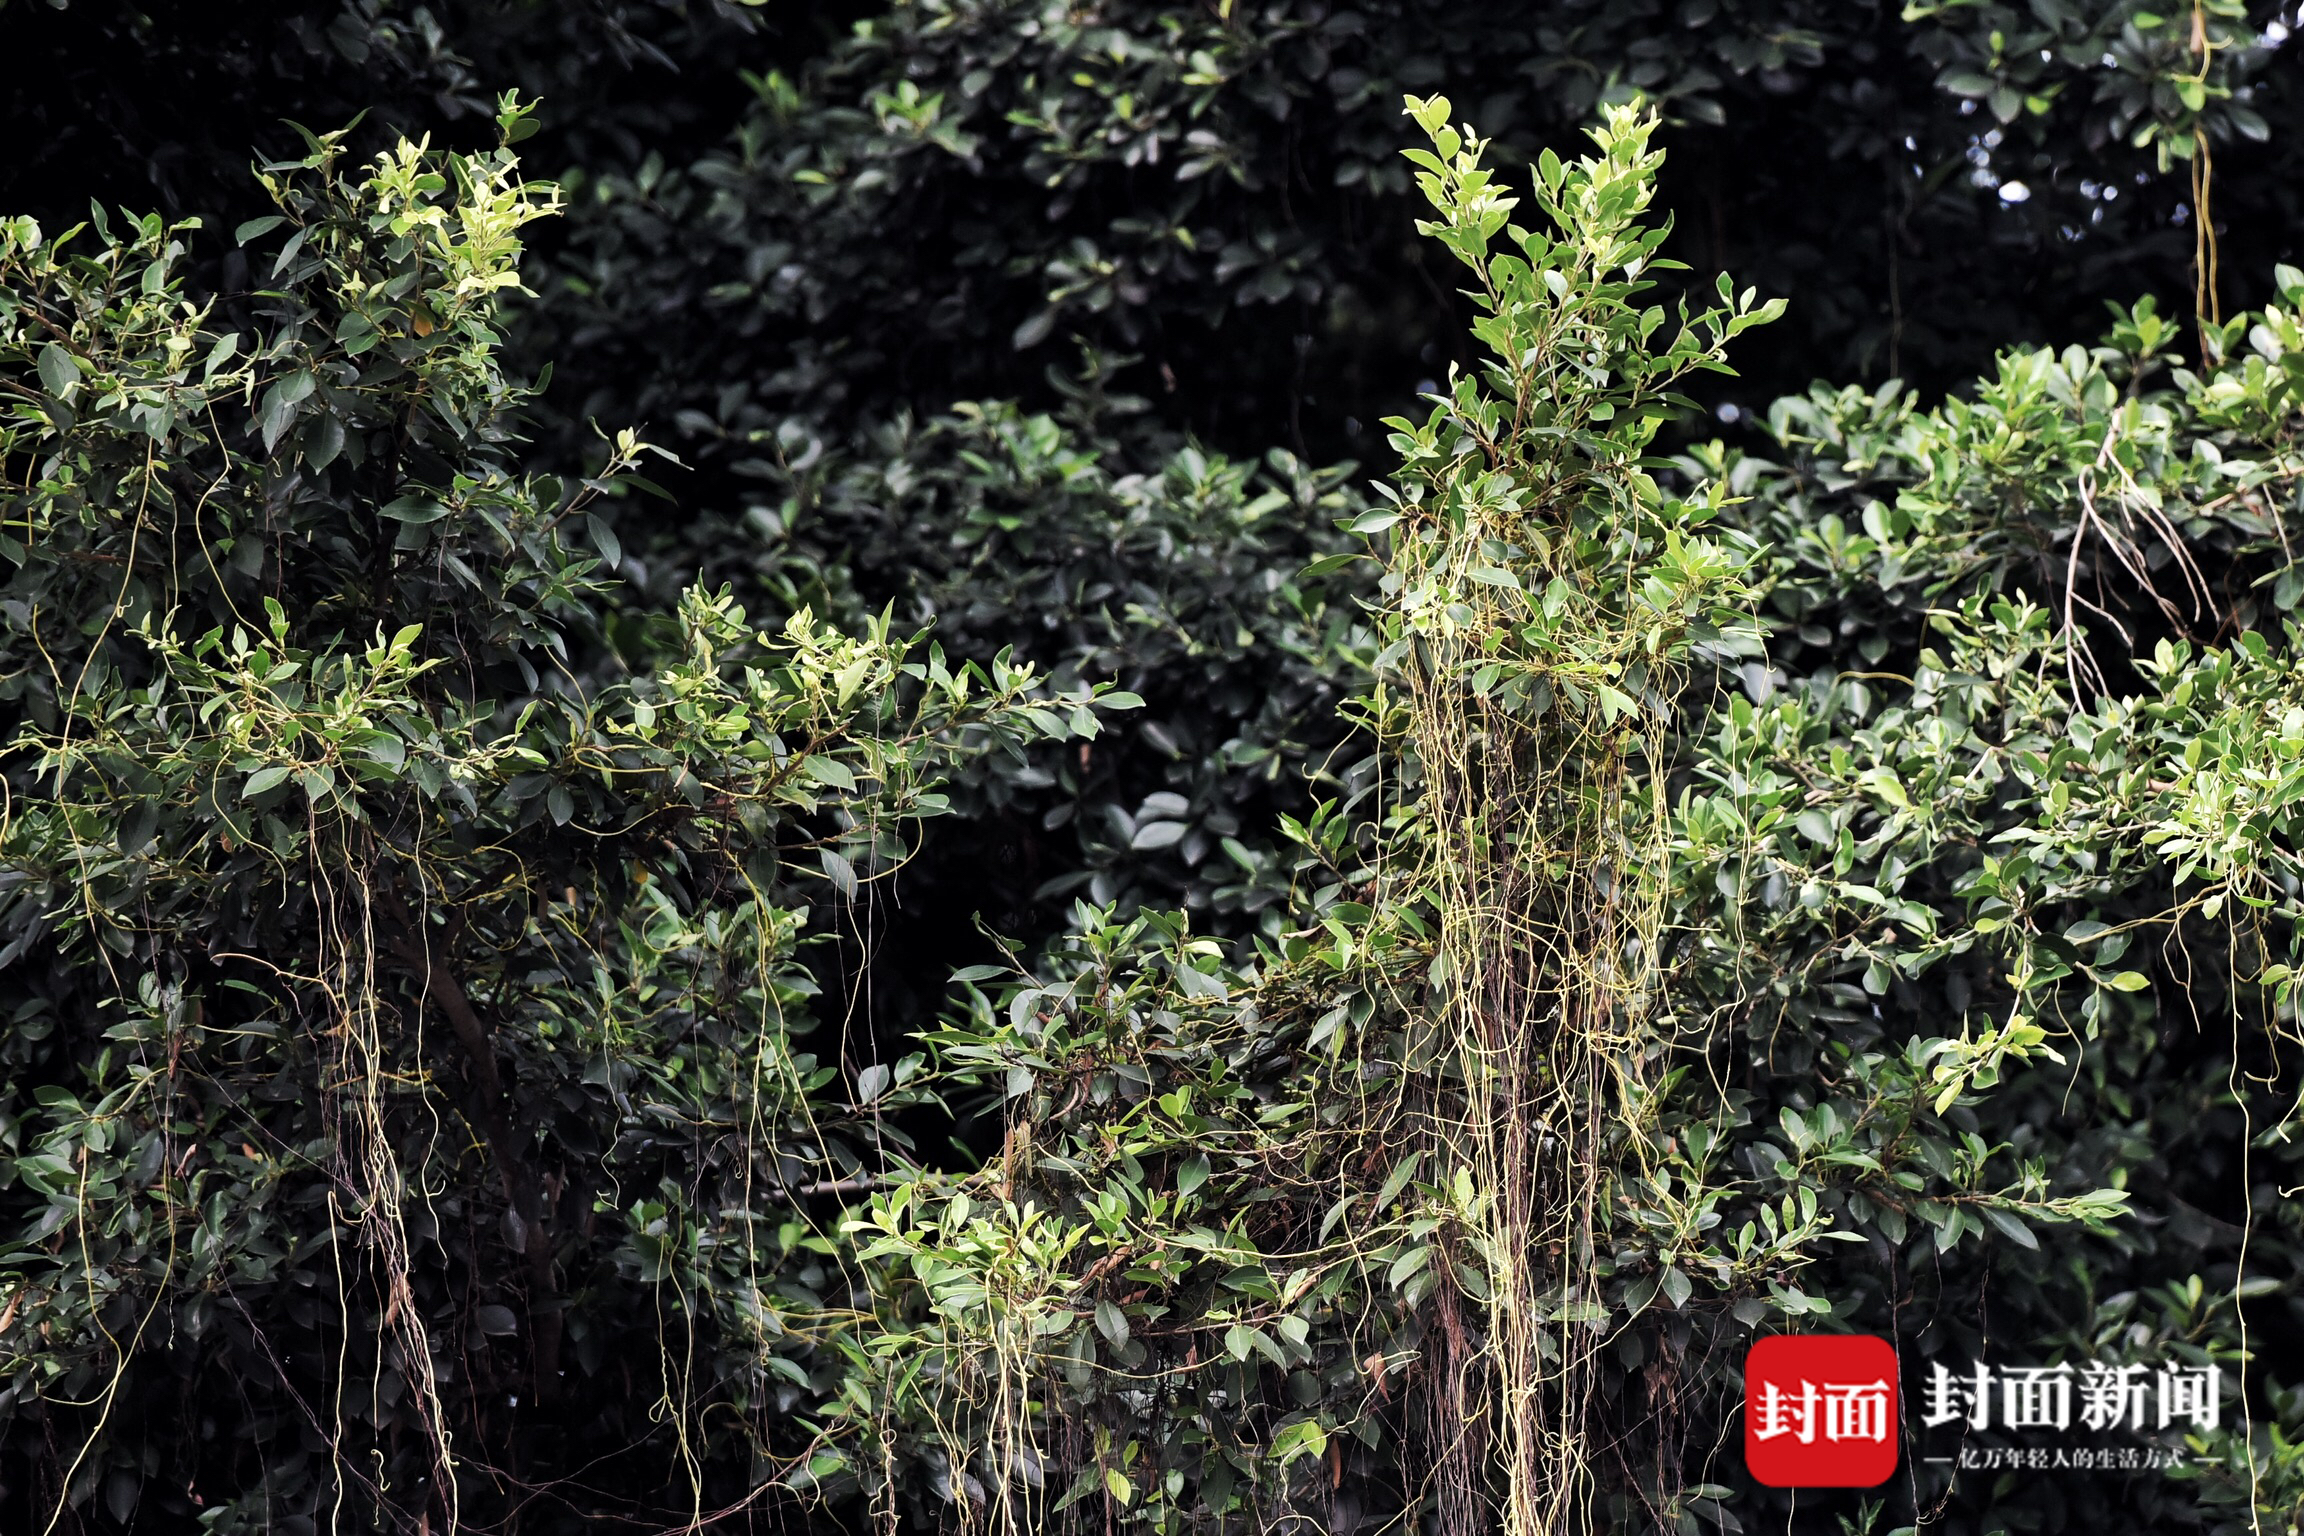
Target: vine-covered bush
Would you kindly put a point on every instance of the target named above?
(409, 1031)
(1612, 1029)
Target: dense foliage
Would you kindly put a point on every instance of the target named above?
(532, 1002)
(394, 1010)
(1761, 1066)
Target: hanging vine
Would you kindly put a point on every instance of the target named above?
(1463, 1026)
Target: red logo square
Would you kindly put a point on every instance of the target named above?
(1820, 1411)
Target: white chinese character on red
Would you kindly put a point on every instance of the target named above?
(2190, 1392)
(1950, 1397)
(1778, 1413)
(1853, 1410)
(1856, 1411)
(2036, 1397)
(2110, 1393)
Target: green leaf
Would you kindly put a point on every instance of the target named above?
(604, 540)
(828, 770)
(278, 409)
(1240, 1341)
(121, 1491)
(414, 509)
(1402, 1172)
(264, 779)
(57, 373)
(1305, 1438)
(1155, 835)
(1113, 1324)
(2014, 1227)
